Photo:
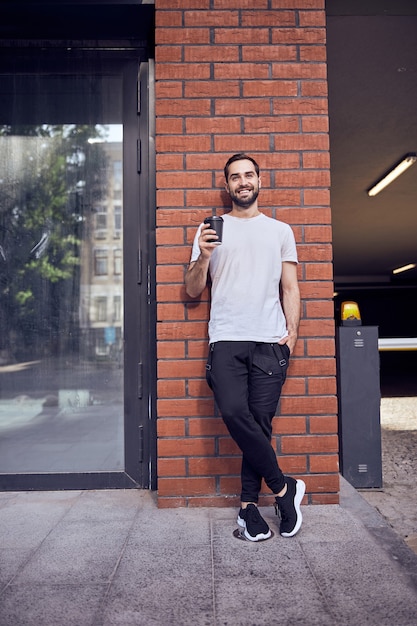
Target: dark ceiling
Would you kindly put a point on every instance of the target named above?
(372, 73)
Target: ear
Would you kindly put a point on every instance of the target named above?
(226, 186)
(260, 183)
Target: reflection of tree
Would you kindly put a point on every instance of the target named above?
(54, 180)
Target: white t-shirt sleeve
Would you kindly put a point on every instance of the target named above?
(195, 252)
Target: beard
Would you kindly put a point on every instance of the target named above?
(245, 201)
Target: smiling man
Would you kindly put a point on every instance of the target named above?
(252, 333)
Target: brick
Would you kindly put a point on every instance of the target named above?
(192, 143)
(300, 106)
(164, 54)
(319, 309)
(325, 498)
(169, 162)
(183, 180)
(182, 36)
(241, 35)
(306, 178)
(185, 406)
(170, 274)
(206, 426)
(274, 124)
(171, 427)
(285, 425)
(171, 18)
(308, 405)
(186, 447)
(207, 54)
(167, 89)
(315, 252)
(315, 124)
(199, 389)
(297, 4)
(169, 236)
(265, 88)
(320, 233)
(309, 444)
(316, 197)
(172, 198)
(170, 312)
(298, 35)
(294, 386)
(322, 483)
(177, 368)
(211, 18)
(171, 467)
(240, 71)
(320, 347)
(322, 386)
(186, 486)
(241, 4)
(302, 142)
(320, 424)
(169, 126)
(247, 143)
(215, 125)
(293, 464)
(314, 88)
(313, 53)
(308, 71)
(241, 106)
(318, 290)
(214, 466)
(168, 107)
(268, 18)
(182, 4)
(199, 312)
(211, 88)
(311, 18)
(217, 501)
(197, 349)
(269, 53)
(230, 485)
(313, 367)
(170, 349)
(171, 503)
(173, 254)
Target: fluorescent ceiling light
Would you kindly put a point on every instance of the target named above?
(404, 268)
(396, 171)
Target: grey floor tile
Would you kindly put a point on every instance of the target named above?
(54, 605)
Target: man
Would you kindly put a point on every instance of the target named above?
(251, 337)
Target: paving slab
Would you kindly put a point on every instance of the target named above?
(111, 557)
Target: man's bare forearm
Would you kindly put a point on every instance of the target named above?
(196, 277)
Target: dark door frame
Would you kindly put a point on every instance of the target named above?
(134, 59)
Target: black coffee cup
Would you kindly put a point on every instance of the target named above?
(216, 223)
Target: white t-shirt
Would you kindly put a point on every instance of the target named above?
(245, 271)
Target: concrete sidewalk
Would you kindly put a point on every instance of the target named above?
(112, 558)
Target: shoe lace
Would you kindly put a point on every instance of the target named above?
(280, 511)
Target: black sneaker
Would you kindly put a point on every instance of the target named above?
(256, 528)
(289, 507)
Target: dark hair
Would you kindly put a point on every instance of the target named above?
(239, 157)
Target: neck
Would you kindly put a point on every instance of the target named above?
(250, 211)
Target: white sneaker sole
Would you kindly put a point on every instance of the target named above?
(241, 522)
(299, 495)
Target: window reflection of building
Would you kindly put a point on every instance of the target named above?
(102, 266)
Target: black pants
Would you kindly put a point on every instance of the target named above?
(246, 378)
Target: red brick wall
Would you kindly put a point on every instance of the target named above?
(242, 75)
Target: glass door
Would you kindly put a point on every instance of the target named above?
(66, 127)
